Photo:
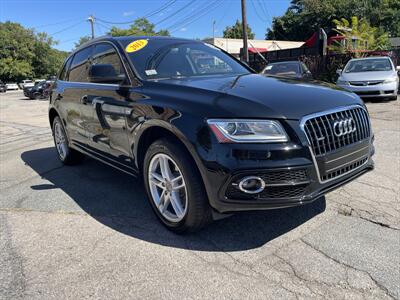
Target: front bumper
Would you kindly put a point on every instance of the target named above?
(290, 171)
(373, 91)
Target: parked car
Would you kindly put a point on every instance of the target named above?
(26, 83)
(12, 86)
(3, 87)
(39, 91)
(370, 77)
(291, 69)
(208, 141)
(39, 81)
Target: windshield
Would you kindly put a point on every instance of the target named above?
(288, 68)
(163, 58)
(368, 65)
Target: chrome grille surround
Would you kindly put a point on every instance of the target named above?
(317, 146)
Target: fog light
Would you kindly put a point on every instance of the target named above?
(251, 185)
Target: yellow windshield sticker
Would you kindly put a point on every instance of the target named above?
(136, 46)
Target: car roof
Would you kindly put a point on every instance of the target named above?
(123, 39)
(370, 57)
(282, 62)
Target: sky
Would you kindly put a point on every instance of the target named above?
(66, 21)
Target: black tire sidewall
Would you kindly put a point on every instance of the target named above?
(68, 154)
(182, 159)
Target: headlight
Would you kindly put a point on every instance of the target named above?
(248, 131)
(390, 80)
(342, 82)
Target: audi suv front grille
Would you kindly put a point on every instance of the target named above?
(348, 168)
(325, 135)
(339, 141)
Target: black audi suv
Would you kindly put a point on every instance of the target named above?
(208, 136)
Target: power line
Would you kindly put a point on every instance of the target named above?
(175, 12)
(108, 28)
(263, 7)
(205, 11)
(197, 14)
(67, 28)
(69, 40)
(158, 10)
(226, 13)
(265, 11)
(256, 10)
(57, 23)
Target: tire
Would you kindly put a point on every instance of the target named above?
(37, 96)
(195, 211)
(66, 155)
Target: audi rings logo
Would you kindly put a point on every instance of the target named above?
(343, 127)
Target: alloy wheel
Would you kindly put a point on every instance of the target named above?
(167, 187)
(60, 140)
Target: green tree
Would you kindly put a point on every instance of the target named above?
(359, 35)
(140, 27)
(25, 53)
(16, 51)
(82, 40)
(304, 17)
(236, 31)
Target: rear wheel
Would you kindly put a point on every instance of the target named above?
(67, 155)
(175, 188)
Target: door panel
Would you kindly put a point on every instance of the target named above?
(70, 93)
(73, 92)
(106, 123)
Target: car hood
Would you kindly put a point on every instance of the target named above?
(254, 96)
(367, 76)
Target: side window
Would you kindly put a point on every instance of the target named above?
(64, 71)
(106, 54)
(79, 69)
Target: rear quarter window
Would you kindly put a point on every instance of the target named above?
(64, 72)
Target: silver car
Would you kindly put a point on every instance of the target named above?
(370, 77)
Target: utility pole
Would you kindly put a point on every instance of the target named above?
(244, 24)
(213, 30)
(91, 20)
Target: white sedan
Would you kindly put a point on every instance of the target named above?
(11, 86)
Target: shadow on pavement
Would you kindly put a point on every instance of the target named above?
(118, 201)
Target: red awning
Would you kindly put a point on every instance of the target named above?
(311, 41)
(255, 50)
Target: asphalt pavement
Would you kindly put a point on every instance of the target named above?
(88, 231)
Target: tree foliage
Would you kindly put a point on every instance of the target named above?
(140, 27)
(27, 54)
(304, 17)
(359, 35)
(82, 40)
(236, 31)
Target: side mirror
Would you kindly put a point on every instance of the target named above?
(339, 71)
(398, 69)
(105, 73)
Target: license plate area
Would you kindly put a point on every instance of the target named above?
(343, 161)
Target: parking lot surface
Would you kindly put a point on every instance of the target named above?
(88, 231)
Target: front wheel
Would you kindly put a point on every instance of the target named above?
(175, 188)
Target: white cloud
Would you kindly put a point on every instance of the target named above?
(128, 13)
(161, 14)
(183, 29)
